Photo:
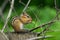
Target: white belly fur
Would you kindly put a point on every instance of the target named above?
(21, 26)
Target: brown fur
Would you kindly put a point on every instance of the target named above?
(23, 19)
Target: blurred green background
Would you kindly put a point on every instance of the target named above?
(43, 9)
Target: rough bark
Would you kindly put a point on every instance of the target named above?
(17, 36)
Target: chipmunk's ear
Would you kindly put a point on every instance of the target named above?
(24, 13)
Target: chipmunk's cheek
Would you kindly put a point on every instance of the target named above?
(29, 21)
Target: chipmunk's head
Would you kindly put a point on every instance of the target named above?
(25, 18)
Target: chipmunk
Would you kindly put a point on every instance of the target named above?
(18, 22)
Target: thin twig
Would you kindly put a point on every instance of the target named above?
(44, 31)
(55, 4)
(26, 5)
(43, 25)
(9, 14)
(55, 1)
(40, 37)
(21, 2)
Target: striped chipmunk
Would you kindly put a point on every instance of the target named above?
(19, 21)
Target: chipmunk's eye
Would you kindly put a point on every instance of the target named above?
(28, 16)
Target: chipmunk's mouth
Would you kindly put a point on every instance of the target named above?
(29, 21)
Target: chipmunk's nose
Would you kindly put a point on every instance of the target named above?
(30, 20)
